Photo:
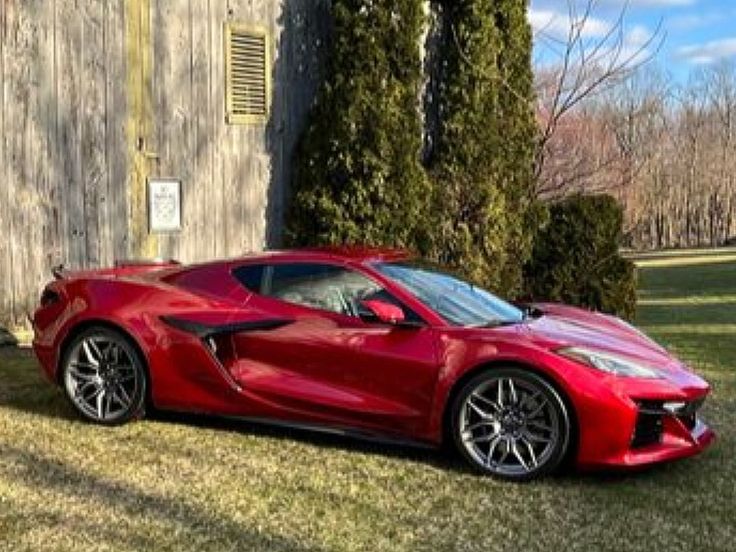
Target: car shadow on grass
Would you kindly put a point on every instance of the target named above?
(442, 458)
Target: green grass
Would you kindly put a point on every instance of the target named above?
(201, 484)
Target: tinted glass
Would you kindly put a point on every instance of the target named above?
(458, 302)
(251, 276)
(325, 287)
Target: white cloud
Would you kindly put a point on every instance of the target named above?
(614, 4)
(638, 35)
(653, 3)
(638, 45)
(699, 19)
(708, 52)
(557, 24)
(631, 48)
(692, 21)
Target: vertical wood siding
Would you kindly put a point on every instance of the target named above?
(91, 105)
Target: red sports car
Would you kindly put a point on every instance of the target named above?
(370, 343)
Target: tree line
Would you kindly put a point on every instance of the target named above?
(665, 150)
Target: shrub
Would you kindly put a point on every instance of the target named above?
(358, 174)
(576, 257)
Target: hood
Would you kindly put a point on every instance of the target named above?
(565, 326)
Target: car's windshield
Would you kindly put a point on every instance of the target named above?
(458, 302)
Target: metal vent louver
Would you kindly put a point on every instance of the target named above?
(247, 77)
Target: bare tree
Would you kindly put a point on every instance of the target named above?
(585, 64)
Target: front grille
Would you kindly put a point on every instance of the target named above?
(689, 421)
(688, 415)
(648, 430)
(649, 421)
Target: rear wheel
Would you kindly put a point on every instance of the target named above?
(104, 377)
(510, 423)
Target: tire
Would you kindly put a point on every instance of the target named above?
(104, 377)
(511, 424)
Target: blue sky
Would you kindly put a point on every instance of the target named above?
(696, 32)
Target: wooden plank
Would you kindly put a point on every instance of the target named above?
(6, 283)
(199, 233)
(40, 237)
(92, 132)
(139, 124)
(18, 124)
(172, 84)
(52, 247)
(220, 238)
(14, 99)
(245, 183)
(116, 150)
(68, 136)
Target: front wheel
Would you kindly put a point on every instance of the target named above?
(104, 377)
(510, 423)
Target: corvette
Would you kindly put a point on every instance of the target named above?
(369, 342)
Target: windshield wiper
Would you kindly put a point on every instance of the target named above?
(497, 323)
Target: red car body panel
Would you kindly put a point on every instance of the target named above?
(322, 368)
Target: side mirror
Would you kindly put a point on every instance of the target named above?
(383, 311)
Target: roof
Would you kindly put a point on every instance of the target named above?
(358, 254)
(342, 252)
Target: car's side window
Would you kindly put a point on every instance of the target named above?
(320, 286)
(250, 276)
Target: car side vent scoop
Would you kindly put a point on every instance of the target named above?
(206, 331)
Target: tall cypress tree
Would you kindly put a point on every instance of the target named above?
(482, 162)
(516, 95)
(358, 175)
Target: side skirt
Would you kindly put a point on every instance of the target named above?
(341, 431)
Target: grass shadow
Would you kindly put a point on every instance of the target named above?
(191, 522)
(7, 339)
(443, 458)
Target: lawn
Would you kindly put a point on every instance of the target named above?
(202, 484)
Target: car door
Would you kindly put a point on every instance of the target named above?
(330, 365)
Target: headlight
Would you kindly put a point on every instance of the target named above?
(607, 362)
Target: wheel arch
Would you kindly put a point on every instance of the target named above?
(83, 325)
(495, 364)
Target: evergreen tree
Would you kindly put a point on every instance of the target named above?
(519, 138)
(482, 162)
(358, 176)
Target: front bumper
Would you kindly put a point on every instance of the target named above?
(677, 442)
(632, 424)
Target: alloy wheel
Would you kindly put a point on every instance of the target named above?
(103, 377)
(513, 425)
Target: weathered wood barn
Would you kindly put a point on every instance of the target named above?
(146, 128)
